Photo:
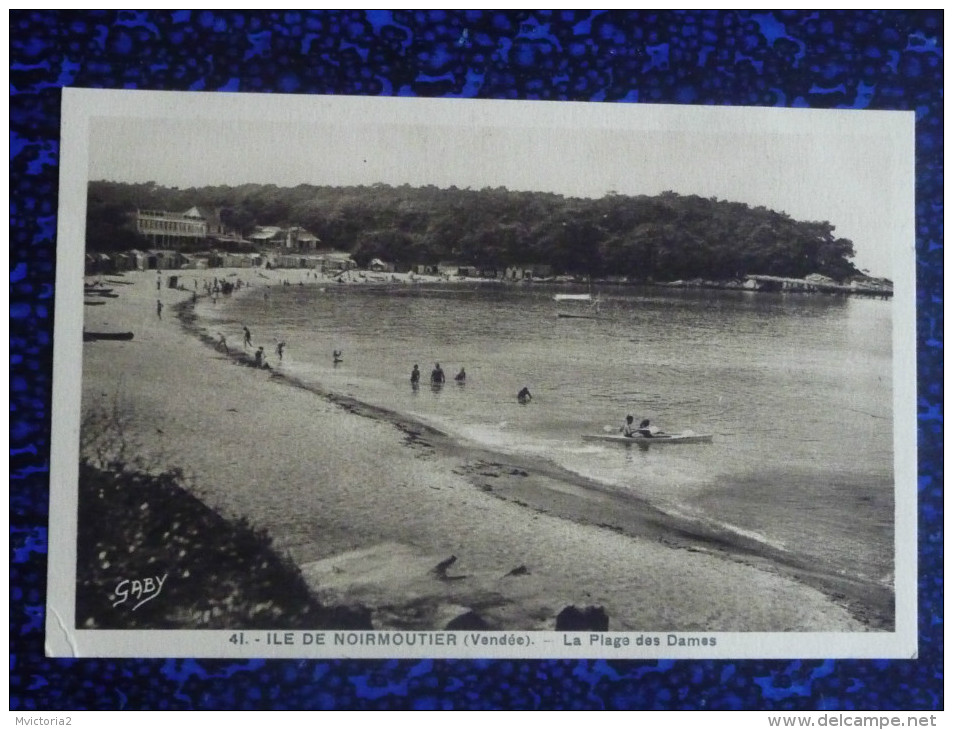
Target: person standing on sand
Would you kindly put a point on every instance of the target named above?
(159, 308)
(415, 375)
(247, 338)
(222, 343)
(280, 351)
(259, 357)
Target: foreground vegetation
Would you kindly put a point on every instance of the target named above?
(658, 238)
(214, 573)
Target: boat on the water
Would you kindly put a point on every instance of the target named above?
(576, 306)
(93, 336)
(687, 437)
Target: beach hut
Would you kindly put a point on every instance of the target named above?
(528, 271)
(337, 261)
(105, 263)
(455, 268)
(129, 261)
(173, 260)
(162, 259)
(296, 261)
(91, 265)
(241, 260)
(379, 265)
(197, 261)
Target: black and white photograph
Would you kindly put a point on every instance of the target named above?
(384, 377)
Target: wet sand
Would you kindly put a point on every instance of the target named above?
(369, 503)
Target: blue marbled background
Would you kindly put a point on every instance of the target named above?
(827, 59)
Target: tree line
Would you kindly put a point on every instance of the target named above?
(653, 238)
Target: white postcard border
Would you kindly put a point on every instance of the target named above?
(81, 105)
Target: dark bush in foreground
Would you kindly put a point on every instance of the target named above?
(137, 531)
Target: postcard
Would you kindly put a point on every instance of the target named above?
(380, 377)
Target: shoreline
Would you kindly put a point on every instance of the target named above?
(526, 480)
(388, 281)
(531, 489)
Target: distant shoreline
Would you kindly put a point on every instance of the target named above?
(755, 284)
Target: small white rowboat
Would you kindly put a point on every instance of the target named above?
(669, 438)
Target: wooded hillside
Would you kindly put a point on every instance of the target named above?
(659, 238)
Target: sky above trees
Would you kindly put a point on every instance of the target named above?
(852, 168)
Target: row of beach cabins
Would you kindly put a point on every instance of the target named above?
(335, 262)
(331, 263)
(135, 260)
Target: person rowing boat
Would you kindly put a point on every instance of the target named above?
(628, 428)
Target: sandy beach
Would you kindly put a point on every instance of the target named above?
(368, 504)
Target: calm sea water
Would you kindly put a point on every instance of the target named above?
(796, 390)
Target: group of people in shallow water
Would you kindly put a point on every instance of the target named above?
(644, 429)
(438, 378)
(260, 361)
(437, 375)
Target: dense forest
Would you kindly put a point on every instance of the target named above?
(658, 238)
